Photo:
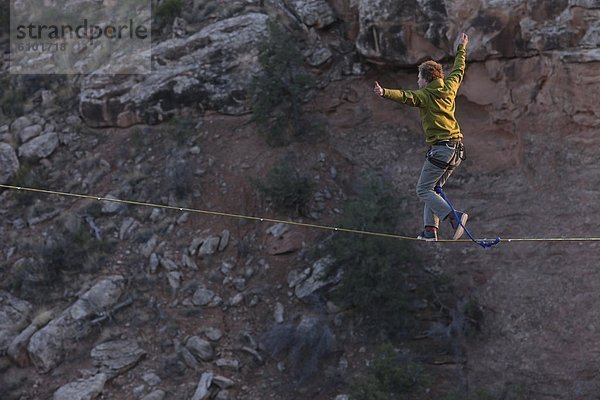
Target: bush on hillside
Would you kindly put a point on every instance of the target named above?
(302, 346)
(389, 377)
(374, 268)
(277, 94)
(286, 188)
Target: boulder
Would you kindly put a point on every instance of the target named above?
(48, 346)
(14, 314)
(117, 356)
(86, 389)
(9, 163)
(202, 392)
(29, 133)
(200, 348)
(17, 351)
(19, 124)
(317, 13)
(39, 147)
(317, 279)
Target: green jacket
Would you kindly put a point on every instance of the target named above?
(436, 102)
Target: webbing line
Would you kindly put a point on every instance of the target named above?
(273, 220)
(486, 244)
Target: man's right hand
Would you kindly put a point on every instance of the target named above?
(463, 39)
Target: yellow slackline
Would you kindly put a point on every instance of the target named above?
(306, 225)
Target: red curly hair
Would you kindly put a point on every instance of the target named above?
(430, 70)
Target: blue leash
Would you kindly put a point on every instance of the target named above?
(483, 243)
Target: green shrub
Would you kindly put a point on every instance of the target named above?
(287, 189)
(169, 9)
(164, 14)
(304, 345)
(374, 268)
(278, 93)
(12, 100)
(474, 314)
(181, 130)
(76, 251)
(388, 378)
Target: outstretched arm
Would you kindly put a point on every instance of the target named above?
(412, 98)
(455, 77)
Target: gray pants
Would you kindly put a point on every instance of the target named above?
(435, 207)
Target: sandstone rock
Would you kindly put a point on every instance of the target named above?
(200, 348)
(168, 264)
(174, 278)
(285, 243)
(212, 67)
(317, 279)
(278, 230)
(202, 392)
(39, 147)
(187, 356)
(17, 351)
(48, 346)
(117, 356)
(203, 297)
(317, 13)
(188, 262)
(209, 246)
(151, 379)
(319, 56)
(237, 299)
(29, 133)
(397, 32)
(19, 124)
(9, 163)
(278, 313)
(224, 242)
(14, 314)
(239, 283)
(223, 382)
(147, 248)
(127, 228)
(228, 363)
(213, 334)
(86, 389)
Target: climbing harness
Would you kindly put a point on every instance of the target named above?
(483, 243)
(459, 154)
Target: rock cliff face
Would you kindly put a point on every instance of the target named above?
(523, 56)
(209, 68)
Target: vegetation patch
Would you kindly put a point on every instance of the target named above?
(389, 377)
(278, 93)
(374, 268)
(286, 188)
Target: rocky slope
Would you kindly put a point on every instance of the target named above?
(149, 303)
